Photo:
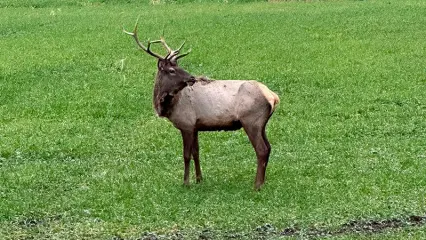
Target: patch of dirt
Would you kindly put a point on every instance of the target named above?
(262, 232)
(30, 222)
(268, 231)
(372, 226)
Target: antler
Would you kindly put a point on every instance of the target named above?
(172, 55)
(134, 34)
(175, 58)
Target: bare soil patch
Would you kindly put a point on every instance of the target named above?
(268, 231)
(359, 227)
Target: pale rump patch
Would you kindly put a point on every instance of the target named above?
(270, 96)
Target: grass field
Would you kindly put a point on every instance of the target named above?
(83, 156)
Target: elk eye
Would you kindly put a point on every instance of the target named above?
(172, 70)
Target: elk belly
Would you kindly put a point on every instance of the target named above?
(215, 105)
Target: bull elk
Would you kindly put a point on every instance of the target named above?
(196, 104)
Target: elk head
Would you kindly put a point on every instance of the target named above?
(170, 78)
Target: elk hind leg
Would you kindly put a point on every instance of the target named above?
(268, 147)
(257, 137)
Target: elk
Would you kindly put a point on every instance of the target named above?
(194, 104)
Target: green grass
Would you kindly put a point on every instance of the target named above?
(82, 155)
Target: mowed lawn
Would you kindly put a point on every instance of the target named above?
(83, 156)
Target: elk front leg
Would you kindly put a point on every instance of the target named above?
(188, 141)
(195, 155)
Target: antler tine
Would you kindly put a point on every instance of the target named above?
(163, 41)
(172, 56)
(134, 34)
(176, 57)
(180, 46)
(170, 52)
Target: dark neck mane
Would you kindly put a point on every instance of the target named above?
(203, 80)
(163, 103)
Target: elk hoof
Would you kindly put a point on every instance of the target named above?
(186, 183)
(199, 179)
(258, 186)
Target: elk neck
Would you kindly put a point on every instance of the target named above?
(165, 97)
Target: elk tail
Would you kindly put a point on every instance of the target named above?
(270, 96)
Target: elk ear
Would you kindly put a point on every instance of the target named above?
(160, 65)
